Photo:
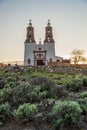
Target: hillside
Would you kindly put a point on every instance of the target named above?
(43, 98)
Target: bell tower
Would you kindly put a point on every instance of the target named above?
(49, 43)
(30, 34)
(48, 33)
(30, 45)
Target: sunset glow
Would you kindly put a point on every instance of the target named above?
(68, 19)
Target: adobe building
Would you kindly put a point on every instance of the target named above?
(39, 54)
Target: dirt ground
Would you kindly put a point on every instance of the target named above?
(31, 126)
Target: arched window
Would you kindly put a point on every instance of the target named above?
(48, 30)
(50, 59)
(29, 61)
(29, 36)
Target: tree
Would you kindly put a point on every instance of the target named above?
(78, 56)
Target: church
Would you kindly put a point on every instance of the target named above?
(39, 54)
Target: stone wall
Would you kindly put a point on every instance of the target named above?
(67, 64)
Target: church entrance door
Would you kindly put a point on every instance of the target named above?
(40, 62)
(39, 58)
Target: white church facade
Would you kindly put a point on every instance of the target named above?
(39, 54)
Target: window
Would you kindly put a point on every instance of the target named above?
(29, 61)
(49, 36)
(39, 48)
(48, 30)
(50, 60)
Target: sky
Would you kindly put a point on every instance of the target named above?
(67, 17)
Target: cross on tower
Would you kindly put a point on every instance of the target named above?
(39, 40)
(29, 20)
(48, 22)
(30, 24)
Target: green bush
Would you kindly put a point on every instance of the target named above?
(6, 74)
(25, 112)
(10, 84)
(83, 104)
(82, 95)
(42, 95)
(36, 94)
(44, 82)
(84, 81)
(27, 93)
(4, 112)
(59, 91)
(23, 78)
(67, 113)
(5, 95)
(39, 94)
(81, 98)
(15, 95)
(20, 93)
(2, 83)
(10, 79)
(74, 84)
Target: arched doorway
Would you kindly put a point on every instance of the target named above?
(40, 58)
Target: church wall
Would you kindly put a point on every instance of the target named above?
(39, 47)
(29, 48)
(50, 48)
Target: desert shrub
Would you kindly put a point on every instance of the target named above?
(81, 98)
(10, 79)
(15, 95)
(59, 91)
(20, 93)
(25, 112)
(1, 77)
(42, 95)
(83, 104)
(23, 78)
(36, 94)
(44, 82)
(10, 76)
(67, 113)
(4, 112)
(74, 84)
(27, 93)
(82, 95)
(84, 81)
(6, 74)
(59, 78)
(10, 84)
(5, 95)
(1, 69)
(30, 70)
(2, 83)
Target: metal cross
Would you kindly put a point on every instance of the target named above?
(30, 20)
(48, 20)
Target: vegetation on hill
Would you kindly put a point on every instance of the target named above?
(78, 56)
(36, 95)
